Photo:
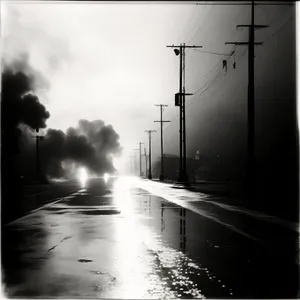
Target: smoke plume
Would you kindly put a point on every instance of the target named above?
(19, 105)
(91, 144)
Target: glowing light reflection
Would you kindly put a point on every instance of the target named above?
(106, 177)
(82, 176)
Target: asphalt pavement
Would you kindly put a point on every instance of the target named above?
(131, 239)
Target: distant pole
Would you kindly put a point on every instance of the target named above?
(140, 149)
(146, 162)
(150, 132)
(135, 162)
(37, 158)
(161, 177)
(132, 164)
(38, 139)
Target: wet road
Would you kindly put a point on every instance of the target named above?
(129, 238)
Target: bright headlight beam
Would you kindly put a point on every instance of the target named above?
(106, 177)
(82, 176)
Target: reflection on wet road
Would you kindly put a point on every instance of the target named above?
(116, 240)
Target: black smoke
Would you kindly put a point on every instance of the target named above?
(22, 113)
(91, 144)
(19, 106)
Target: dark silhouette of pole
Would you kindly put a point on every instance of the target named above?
(161, 177)
(251, 103)
(38, 139)
(132, 164)
(180, 115)
(182, 229)
(184, 169)
(37, 158)
(140, 158)
(135, 162)
(183, 177)
(145, 162)
(150, 132)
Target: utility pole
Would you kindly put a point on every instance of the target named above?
(150, 132)
(140, 158)
(37, 158)
(132, 165)
(145, 162)
(180, 101)
(161, 177)
(251, 103)
(38, 139)
(135, 161)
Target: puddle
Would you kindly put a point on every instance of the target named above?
(82, 260)
(100, 212)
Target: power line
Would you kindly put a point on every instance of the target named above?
(241, 3)
(191, 17)
(216, 77)
(203, 86)
(223, 54)
(209, 85)
(175, 117)
(280, 28)
(204, 19)
(272, 35)
(209, 72)
(217, 65)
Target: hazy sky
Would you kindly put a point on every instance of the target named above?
(110, 61)
(106, 61)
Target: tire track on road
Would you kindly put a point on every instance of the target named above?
(51, 202)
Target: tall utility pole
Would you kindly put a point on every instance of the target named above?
(150, 132)
(251, 103)
(180, 101)
(140, 158)
(161, 177)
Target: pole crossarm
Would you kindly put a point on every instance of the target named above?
(149, 131)
(255, 26)
(250, 26)
(183, 46)
(186, 94)
(241, 43)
